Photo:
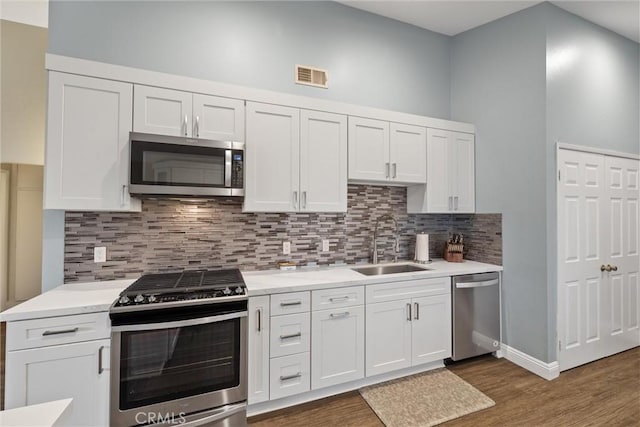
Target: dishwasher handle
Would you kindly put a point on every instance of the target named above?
(480, 284)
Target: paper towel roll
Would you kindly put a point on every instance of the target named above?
(422, 247)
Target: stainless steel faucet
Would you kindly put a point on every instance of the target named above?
(375, 238)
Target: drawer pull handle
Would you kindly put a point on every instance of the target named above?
(334, 315)
(289, 304)
(336, 299)
(290, 377)
(62, 331)
(286, 337)
(100, 368)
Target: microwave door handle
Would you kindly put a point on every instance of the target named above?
(227, 168)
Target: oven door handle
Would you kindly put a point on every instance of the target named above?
(178, 323)
(220, 414)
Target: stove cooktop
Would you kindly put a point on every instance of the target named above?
(185, 287)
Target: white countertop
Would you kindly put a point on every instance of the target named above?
(50, 414)
(274, 282)
(69, 299)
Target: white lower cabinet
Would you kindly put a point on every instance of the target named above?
(289, 375)
(290, 334)
(258, 334)
(79, 371)
(405, 331)
(337, 346)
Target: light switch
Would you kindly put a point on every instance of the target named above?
(100, 254)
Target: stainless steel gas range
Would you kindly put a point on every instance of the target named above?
(179, 350)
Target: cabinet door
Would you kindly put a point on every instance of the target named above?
(368, 149)
(218, 118)
(431, 334)
(323, 162)
(258, 349)
(272, 159)
(337, 346)
(388, 337)
(408, 153)
(462, 175)
(162, 111)
(438, 174)
(79, 371)
(87, 155)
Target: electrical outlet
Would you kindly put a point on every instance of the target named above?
(286, 248)
(325, 245)
(100, 254)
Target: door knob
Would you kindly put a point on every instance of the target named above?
(605, 267)
(614, 267)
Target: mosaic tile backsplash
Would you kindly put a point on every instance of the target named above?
(170, 235)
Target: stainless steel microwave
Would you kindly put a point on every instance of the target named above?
(168, 165)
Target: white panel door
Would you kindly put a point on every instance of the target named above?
(162, 111)
(462, 172)
(258, 349)
(64, 371)
(581, 206)
(323, 162)
(337, 346)
(439, 198)
(431, 334)
(621, 303)
(272, 158)
(368, 149)
(408, 153)
(388, 337)
(218, 118)
(87, 157)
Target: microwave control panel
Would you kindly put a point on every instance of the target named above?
(237, 169)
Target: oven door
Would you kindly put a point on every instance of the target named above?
(171, 369)
(183, 166)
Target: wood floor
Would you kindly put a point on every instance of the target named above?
(602, 393)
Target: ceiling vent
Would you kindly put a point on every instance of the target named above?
(311, 76)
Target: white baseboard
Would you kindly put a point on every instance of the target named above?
(548, 371)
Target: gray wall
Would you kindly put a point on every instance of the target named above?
(498, 83)
(372, 60)
(593, 99)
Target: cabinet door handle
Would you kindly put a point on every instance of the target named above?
(185, 124)
(288, 304)
(416, 306)
(386, 166)
(450, 203)
(197, 127)
(335, 315)
(62, 331)
(100, 368)
(409, 311)
(286, 337)
(259, 319)
(455, 203)
(122, 194)
(295, 200)
(290, 377)
(395, 167)
(304, 200)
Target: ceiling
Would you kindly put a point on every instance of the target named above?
(456, 16)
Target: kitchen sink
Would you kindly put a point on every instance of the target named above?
(388, 269)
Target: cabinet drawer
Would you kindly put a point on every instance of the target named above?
(294, 302)
(325, 299)
(35, 333)
(409, 289)
(289, 375)
(290, 334)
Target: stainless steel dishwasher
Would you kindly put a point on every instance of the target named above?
(476, 315)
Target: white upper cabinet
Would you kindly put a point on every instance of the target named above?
(87, 156)
(450, 184)
(380, 151)
(272, 159)
(177, 113)
(296, 160)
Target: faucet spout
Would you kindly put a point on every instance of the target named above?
(396, 245)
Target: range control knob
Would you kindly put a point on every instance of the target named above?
(152, 298)
(138, 299)
(239, 290)
(124, 300)
(226, 291)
